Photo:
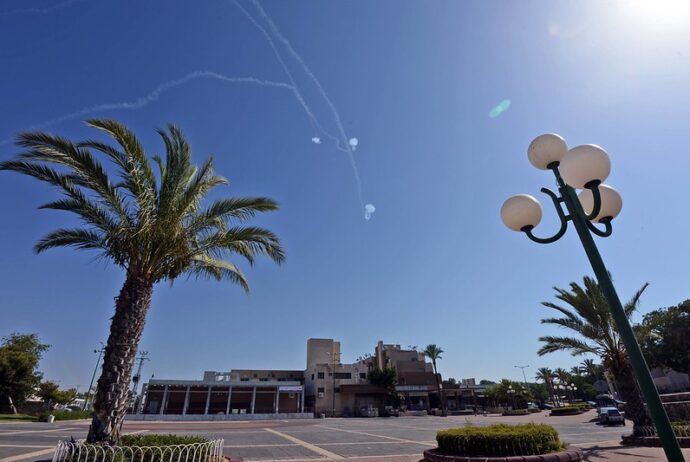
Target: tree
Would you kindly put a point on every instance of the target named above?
(592, 369)
(51, 394)
(546, 375)
(386, 378)
(588, 316)
(434, 352)
(508, 392)
(664, 337)
(150, 224)
(19, 358)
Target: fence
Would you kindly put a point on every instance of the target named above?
(80, 451)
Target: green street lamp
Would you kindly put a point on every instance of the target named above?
(586, 167)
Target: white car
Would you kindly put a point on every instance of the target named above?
(611, 416)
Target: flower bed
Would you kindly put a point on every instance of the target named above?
(143, 448)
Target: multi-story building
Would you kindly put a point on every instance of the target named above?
(326, 386)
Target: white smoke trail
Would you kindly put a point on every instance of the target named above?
(50, 9)
(154, 94)
(342, 143)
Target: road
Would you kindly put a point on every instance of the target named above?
(393, 439)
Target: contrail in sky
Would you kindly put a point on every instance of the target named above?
(50, 9)
(154, 94)
(342, 143)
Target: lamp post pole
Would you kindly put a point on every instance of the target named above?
(93, 377)
(524, 377)
(585, 167)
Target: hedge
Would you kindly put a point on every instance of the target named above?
(66, 415)
(515, 412)
(160, 440)
(568, 410)
(173, 448)
(681, 428)
(499, 440)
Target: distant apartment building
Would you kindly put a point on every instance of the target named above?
(326, 386)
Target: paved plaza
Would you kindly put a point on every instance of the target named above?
(392, 439)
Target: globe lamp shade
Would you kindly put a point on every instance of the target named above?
(521, 211)
(611, 203)
(584, 164)
(546, 149)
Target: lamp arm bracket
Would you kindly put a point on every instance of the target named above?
(596, 196)
(561, 215)
(606, 232)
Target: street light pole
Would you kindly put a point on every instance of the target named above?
(524, 377)
(585, 167)
(93, 377)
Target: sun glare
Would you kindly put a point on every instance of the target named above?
(661, 13)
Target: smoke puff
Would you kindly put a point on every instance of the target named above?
(369, 210)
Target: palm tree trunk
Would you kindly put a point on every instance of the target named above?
(440, 392)
(627, 387)
(126, 326)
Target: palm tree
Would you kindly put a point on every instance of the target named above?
(588, 316)
(590, 368)
(434, 352)
(152, 225)
(546, 375)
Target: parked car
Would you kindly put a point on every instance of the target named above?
(545, 406)
(390, 411)
(611, 416)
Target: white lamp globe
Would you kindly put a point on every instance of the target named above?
(520, 211)
(611, 202)
(583, 164)
(546, 149)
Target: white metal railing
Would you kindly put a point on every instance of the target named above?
(79, 451)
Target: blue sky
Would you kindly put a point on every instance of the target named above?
(414, 82)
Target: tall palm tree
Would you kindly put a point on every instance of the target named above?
(588, 316)
(434, 352)
(575, 371)
(590, 368)
(546, 375)
(150, 224)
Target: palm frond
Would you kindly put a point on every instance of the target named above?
(79, 238)
(575, 346)
(634, 302)
(219, 270)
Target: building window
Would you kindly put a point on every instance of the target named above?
(343, 375)
(312, 376)
(244, 379)
(362, 375)
(263, 380)
(321, 390)
(337, 389)
(320, 375)
(255, 375)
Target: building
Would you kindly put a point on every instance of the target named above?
(226, 395)
(326, 386)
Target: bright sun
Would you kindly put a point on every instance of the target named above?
(661, 13)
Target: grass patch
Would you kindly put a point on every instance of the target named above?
(18, 418)
(499, 440)
(66, 415)
(160, 440)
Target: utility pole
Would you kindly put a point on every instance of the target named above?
(135, 380)
(93, 377)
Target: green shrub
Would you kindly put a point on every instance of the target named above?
(164, 448)
(567, 410)
(499, 440)
(160, 440)
(681, 428)
(65, 415)
(515, 412)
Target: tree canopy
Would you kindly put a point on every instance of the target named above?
(19, 376)
(664, 336)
